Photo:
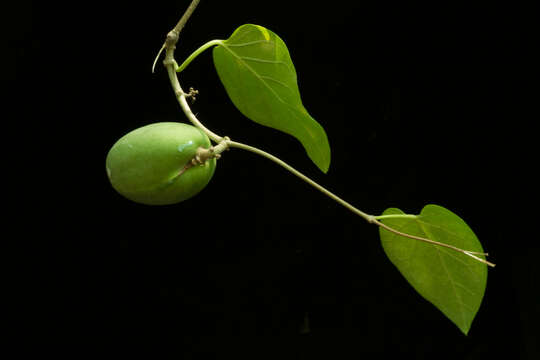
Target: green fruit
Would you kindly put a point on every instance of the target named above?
(148, 165)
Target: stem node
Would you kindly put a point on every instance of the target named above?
(371, 219)
(172, 38)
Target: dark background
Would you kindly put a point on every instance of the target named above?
(421, 104)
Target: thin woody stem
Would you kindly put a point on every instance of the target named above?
(181, 96)
(367, 217)
(172, 66)
(183, 20)
(224, 142)
(174, 34)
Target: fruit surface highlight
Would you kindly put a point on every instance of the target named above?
(149, 165)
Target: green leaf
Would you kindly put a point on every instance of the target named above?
(452, 281)
(258, 74)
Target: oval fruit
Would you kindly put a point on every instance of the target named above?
(147, 165)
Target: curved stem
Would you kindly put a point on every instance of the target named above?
(395, 216)
(367, 217)
(224, 142)
(181, 97)
(197, 53)
(172, 66)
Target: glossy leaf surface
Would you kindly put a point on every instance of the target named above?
(452, 281)
(256, 69)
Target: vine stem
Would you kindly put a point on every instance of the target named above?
(183, 20)
(181, 96)
(224, 142)
(367, 217)
(197, 53)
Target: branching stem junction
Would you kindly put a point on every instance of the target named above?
(224, 143)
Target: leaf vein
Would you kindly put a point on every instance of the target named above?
(395, 236)
(249, 58)
(250, 43)
(439, 227)
(467, 265)
(276, 81)
(260, 77)
(456, 294)
(266, 61)
(424, 224)
(255, 74)
(465, 288)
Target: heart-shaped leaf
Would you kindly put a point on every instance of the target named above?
(256, 69)
(452, 281)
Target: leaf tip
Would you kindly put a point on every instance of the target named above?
(465, 328)
(324, 167)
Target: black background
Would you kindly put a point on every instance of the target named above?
(421, 104)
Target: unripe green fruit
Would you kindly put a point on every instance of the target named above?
(148, 165)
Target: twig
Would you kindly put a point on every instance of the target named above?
(224, 142)
(171, 65)
(183, 20)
